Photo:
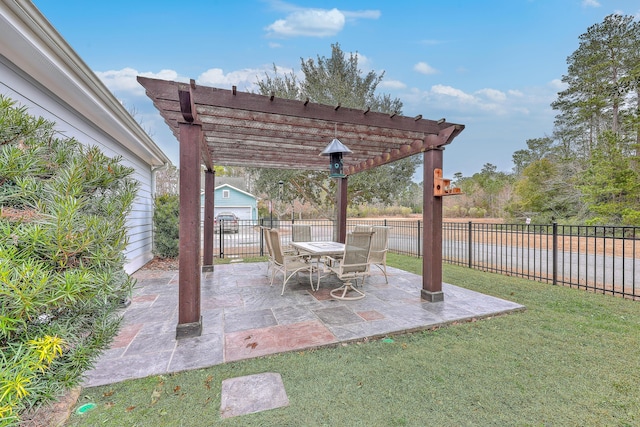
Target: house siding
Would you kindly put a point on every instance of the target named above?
(243, 204)
(236, 200)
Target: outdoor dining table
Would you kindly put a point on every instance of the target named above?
(317, 250)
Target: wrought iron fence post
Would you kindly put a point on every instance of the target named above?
(221, 237)
(261, 237)
(419, 242)
(555, 253)
(469, 244)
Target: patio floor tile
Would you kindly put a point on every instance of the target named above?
(336, 316)
(370, 315)
(293, 314)
(277, 339)
(245, 320)
(126, 335)
(193, 353)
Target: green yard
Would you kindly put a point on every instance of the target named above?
(571, 359)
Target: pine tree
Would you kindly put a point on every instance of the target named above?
(332, 81)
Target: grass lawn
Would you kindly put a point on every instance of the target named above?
(571, 359)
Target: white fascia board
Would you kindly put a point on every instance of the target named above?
(237, 189)
(29, 41)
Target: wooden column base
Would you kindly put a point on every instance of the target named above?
(432, 296)
(189, 330)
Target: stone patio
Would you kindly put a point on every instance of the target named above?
(243, 317)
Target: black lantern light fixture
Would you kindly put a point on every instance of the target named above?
(335, 150)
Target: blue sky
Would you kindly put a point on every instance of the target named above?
(494, 66)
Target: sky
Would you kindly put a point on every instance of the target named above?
(495, 66)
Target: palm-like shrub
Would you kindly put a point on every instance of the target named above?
(63, 209)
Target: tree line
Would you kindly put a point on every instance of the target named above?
(588, 170)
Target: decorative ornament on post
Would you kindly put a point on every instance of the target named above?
(335, 150)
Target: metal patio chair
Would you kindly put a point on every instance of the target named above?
(353, 265)
(288, 265)
(379, 248)
(301, 232)
(267, 243)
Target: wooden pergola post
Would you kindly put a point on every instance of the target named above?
(432, 230)
(209, 202)
(189, 318)
(341, 207)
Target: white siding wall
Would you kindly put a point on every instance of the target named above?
(41, 102)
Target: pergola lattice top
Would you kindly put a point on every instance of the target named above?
(245, 129)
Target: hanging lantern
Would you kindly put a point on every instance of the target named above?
(335, 150)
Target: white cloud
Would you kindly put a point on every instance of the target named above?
(244, 79)
(424, 68)
(449, 99)
(364, 63)
(312, 22)
(590, 3)
(557, 84)
(493, 94)
(274, 45)
(392, 84)
(449, 91)
(124, 80)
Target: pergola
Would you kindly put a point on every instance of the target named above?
(232, 128)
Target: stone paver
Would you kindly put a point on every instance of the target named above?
(253, 393)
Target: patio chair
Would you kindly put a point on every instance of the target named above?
(379, 248)
(301, 232)
(353, 265)
(288, 265)
(267, 243)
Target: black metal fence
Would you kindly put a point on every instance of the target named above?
(602, 259)
(596, 258)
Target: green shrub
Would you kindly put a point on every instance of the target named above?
(166, 223)
(63, 210)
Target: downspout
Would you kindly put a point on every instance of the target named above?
(154, 171)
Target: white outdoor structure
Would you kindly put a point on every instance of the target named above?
(40, 71)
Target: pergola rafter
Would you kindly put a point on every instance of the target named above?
(231, 128)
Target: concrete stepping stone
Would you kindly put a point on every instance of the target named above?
(253, 393)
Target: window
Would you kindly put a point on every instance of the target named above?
(225, 194)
